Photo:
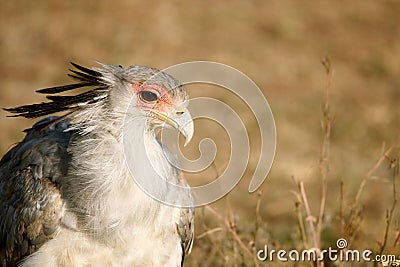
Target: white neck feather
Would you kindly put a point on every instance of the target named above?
(100, 183)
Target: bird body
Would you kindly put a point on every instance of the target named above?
(67, 195)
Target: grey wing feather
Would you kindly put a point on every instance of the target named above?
(185, 229)
(185, 226)
(30, 199)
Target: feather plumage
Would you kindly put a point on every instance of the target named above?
(30, 199)
(67, 185)
(88, 78)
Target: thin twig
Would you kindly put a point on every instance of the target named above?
(324, 159)
(341, 202)
(354, 212)
(391, 211)
(396, 239)
(209, 232)
(369, 174)
(215, 251)
(310, 220)
(258, 218)
(232, 220)
(232, 230)
(300, 219)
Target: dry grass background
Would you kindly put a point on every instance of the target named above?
(279, 44)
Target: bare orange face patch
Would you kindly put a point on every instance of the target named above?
(164, 103)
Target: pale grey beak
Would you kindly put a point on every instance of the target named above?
(181, 120)
(185, 124)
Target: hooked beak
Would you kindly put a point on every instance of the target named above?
(179, 119)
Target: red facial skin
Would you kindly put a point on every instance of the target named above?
(165, 104)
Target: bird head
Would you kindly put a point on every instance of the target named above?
(158, 97)
(136, 92)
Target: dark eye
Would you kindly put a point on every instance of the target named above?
(148, 96)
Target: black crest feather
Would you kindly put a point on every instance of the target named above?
(86, 78)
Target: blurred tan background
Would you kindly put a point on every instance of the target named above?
(279, 44)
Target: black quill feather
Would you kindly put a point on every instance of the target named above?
(87, 78)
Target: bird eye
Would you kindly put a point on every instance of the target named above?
(148, 96)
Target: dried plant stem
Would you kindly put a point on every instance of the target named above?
(215, 248)
(232, 220)
(383, 157)
(352, 220)
(209, 232)
(341, 218)
(302, 228)
(389, 216)
(311, 221)
(258, 218)
(396, 239)
(232, 229)
(324, 158)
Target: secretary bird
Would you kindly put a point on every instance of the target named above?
(67, 196)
